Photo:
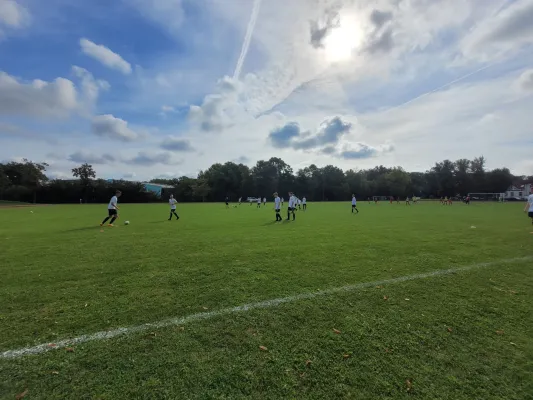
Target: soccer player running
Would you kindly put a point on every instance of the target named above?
(172, 202)
(277, 207)
(264, 201)
(112, 209)
(354, 204)
(259, 202)
(240, 199)
(227, 201)
(292, 207)
(304, 203)
(529, 206)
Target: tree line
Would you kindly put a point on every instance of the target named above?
(27, 181)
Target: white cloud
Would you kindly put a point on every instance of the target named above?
(503, 32)
(37, 98)
(525, 80)
(58, 175)
(58, 98)
(168, 13)
(90, 87)
(12, 16)
(107, 57)
(111, 127)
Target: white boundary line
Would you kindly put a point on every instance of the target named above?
(104, 335)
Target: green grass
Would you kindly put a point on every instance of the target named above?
(62, 277)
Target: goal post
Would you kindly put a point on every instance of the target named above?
(487, 196)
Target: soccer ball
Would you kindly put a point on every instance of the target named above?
(126, 222)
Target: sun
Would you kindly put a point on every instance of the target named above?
(342, 40)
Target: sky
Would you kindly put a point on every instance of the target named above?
(145, 89)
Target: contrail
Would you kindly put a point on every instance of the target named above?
(440, 87)
(247, 38)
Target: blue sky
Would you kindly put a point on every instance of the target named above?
(164, 88)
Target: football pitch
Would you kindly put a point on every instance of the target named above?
(426, 301)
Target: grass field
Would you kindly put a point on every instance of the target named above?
(457, 335)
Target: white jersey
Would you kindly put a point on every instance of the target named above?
(354, 201)
(304, 201)
(292, 201)
(264, 200)
(112, 203)
(277, 202)
(258, 201)
(299, 201)
(530, 201)
(172, 203)
(240, 198)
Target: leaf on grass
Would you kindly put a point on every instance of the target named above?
(514, 344)
(205, 308)
(336, 331)
(499, 332)
(263, 348)
(407, 299)
(308, 363)
(345, 356)
(55, 372)
(70, 349)
(21, 395)
(51, 345)
(385, 297)
(409, 384)
(449, 329)
(379, 287)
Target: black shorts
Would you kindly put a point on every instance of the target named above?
(112, 212)
(290, 209)
(277, 210)
(227, 203)
(530, 214)
(354, 205)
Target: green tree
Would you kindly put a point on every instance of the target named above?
(4, 181)
(85, 173)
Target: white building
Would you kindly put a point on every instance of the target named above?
(518, 192)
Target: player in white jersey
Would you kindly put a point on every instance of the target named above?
(304, 203)
(240, 199)
(172, 202)
(282, 201)
(354, 204)
(259, 202)
(529, 206)
(112, 209)
(299, 204)
(292, 207)
(277, 207)
(264, 201)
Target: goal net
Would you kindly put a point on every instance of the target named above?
(487, 196)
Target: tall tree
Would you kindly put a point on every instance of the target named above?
(28, 174)
(463, 180)
(85, 173)
(4, 181)
(477, 167)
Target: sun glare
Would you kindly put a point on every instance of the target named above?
(342, 40)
